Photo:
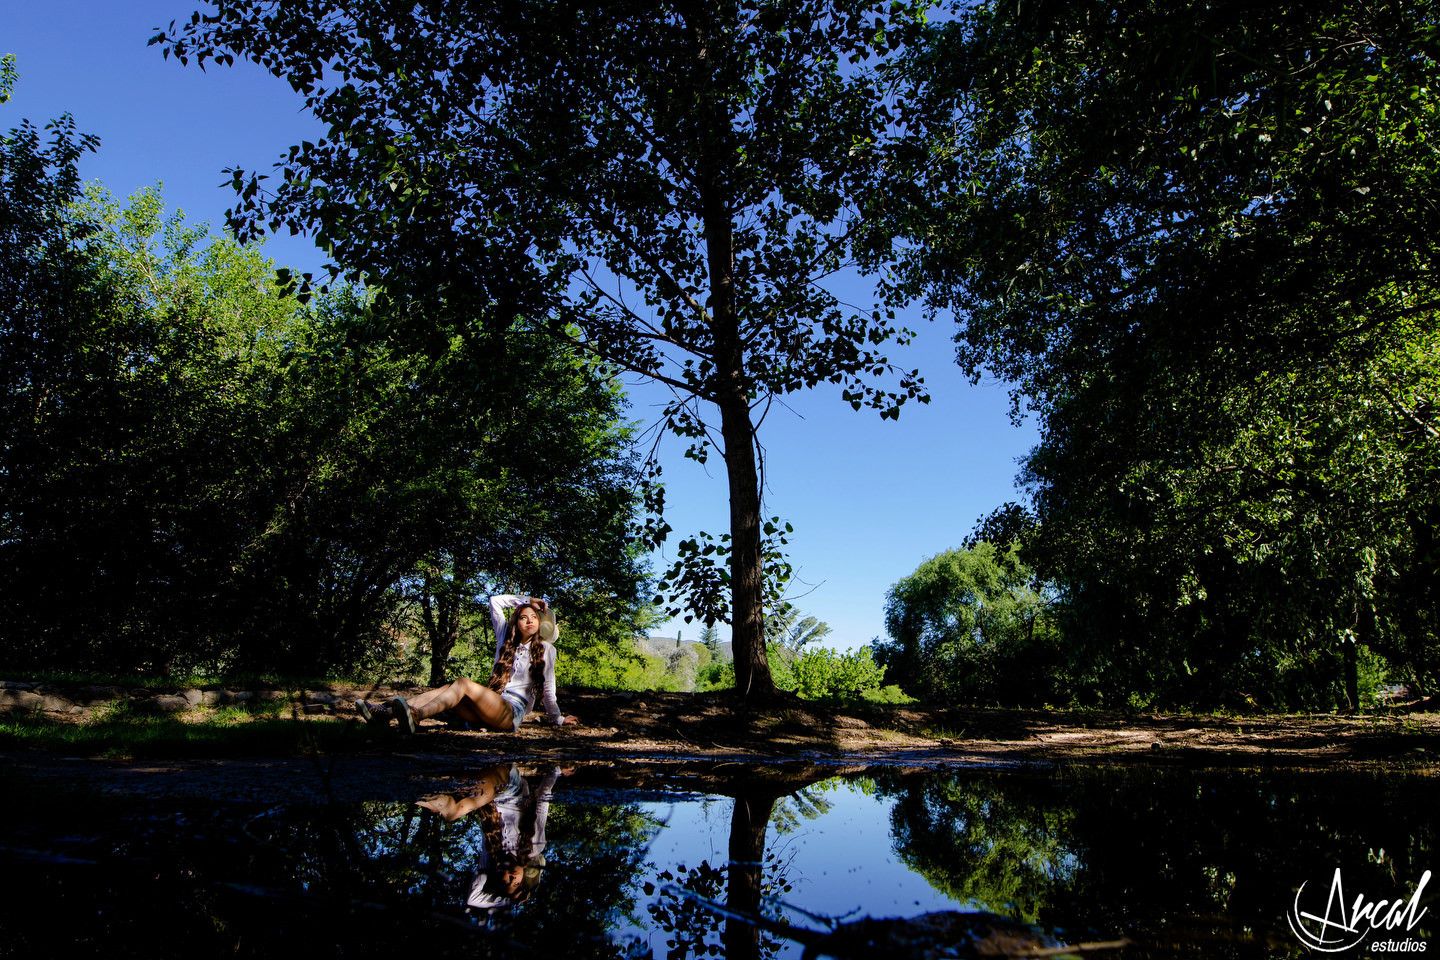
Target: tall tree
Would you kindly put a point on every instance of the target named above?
(665, 185)
(1201, 240)
(200, 471)
(50, 296)
(538, 469)
(710, 637)
(972, 625)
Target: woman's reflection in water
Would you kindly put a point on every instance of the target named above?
(512, 821)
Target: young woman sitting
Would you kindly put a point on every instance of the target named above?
(524, 672)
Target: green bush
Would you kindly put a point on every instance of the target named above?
(825, 674)
(890, 694)
(611, 668)
(716, 676)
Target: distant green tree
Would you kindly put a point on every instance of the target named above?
(971, 625)
(789, 628)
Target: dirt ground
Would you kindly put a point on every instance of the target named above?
(712, 726)
(634, 740)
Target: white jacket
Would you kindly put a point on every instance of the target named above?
(520, 691)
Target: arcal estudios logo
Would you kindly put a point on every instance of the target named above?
(1335, 922)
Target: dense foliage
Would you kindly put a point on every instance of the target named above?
(973, 625)
(825, 674)
(1201, 240)
(198, 471)
(668, 185)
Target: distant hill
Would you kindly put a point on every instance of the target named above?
(666, 647)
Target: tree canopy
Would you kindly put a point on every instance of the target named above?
(666, 186)
(200, 471)
(1201, 241)
(972, 624)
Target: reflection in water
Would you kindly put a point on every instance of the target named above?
(521, 861)
(749, 823)
(512, 816)
(1186, 863)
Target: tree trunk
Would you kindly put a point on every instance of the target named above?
(1352, 677)
(1365, 630)
(731, 395)
(748, 823)
(440, 612)
(443, 641)
(747, 568)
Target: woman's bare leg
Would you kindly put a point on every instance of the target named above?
(471, 701)
(453, 806)
(420, 700)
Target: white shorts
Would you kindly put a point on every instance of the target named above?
(519, 710)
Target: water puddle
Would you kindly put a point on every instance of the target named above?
(591, 861)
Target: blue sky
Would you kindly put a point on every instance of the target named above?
(869, 499)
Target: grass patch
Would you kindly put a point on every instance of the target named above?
(234, 681)
(240, 730)
(940, 733)
(243, 712)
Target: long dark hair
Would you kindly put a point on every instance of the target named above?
(505, 661)
(493, 835)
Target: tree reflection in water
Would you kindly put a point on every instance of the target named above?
(588, 873)
(1186, 863)
(417, 864)
(706, 910)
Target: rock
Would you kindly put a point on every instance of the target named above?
(238, 696)
(15, 685)
(98, 693)
(270, 695)
(163, 703)
(21, 700)
(312, 708)
(55, 703)
(321, 696)
(215, 698)
(193, 697)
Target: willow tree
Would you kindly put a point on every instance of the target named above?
(666, 184)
